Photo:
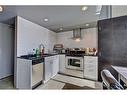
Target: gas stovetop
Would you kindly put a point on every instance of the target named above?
(76, 55)
(75, 52)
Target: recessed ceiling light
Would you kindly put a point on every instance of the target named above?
(61, 29)
(86, 24)
(45, 19)
(1, 9)
(84, 8)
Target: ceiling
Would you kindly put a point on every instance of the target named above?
(67, 17)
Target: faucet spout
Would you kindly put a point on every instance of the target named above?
(40, 48)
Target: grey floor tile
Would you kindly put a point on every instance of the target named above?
(7, 83)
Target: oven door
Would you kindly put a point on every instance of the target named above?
(74, 63)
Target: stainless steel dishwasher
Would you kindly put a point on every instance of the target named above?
(37, 72)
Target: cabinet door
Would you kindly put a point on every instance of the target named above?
(112, 43)
(90, 71)
(119, 47)
(105, 41)
(55, 65)
(23, 74)
(37, 73)
(104, 45)
(61, 63)
(90, 67)
(48, 70)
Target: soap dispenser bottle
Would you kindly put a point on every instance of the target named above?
(37, 52)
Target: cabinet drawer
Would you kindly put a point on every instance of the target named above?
(87, 66)
(90, 59)
(91, 71)
(54, 57)
(49, 58)
(91, 76)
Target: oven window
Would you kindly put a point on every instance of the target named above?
(74, 62)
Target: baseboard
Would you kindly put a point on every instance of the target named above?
(6, 77)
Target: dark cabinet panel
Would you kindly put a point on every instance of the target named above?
(112, 43)
(119, 48)
(105, 34)
(105, 45)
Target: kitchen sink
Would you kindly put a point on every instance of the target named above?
(35, 56)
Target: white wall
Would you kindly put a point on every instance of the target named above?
(119, 10)
(90, 39)
(30, 35)
(6, 50)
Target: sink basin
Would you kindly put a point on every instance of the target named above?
(30, 56)
(45, 54)
(36, 56)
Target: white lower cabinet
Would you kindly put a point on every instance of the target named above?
(55, 65)
(62, 63)
(28, 75)
(48, 69)
(51, 67)
(37, 73)
(91, 67)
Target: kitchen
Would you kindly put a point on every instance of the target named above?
(53, 63)
(42, 58)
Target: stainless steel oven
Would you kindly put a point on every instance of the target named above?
(74, 63)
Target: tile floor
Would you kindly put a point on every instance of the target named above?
(78, 81)
(7, 83)
(57, 82)
(51, 84)
(75, 73)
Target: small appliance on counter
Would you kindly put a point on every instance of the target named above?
(79, 52)
(91, 51)
(58, 48)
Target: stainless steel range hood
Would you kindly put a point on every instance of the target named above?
(77, 34)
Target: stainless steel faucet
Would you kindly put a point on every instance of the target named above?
(40, 47)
